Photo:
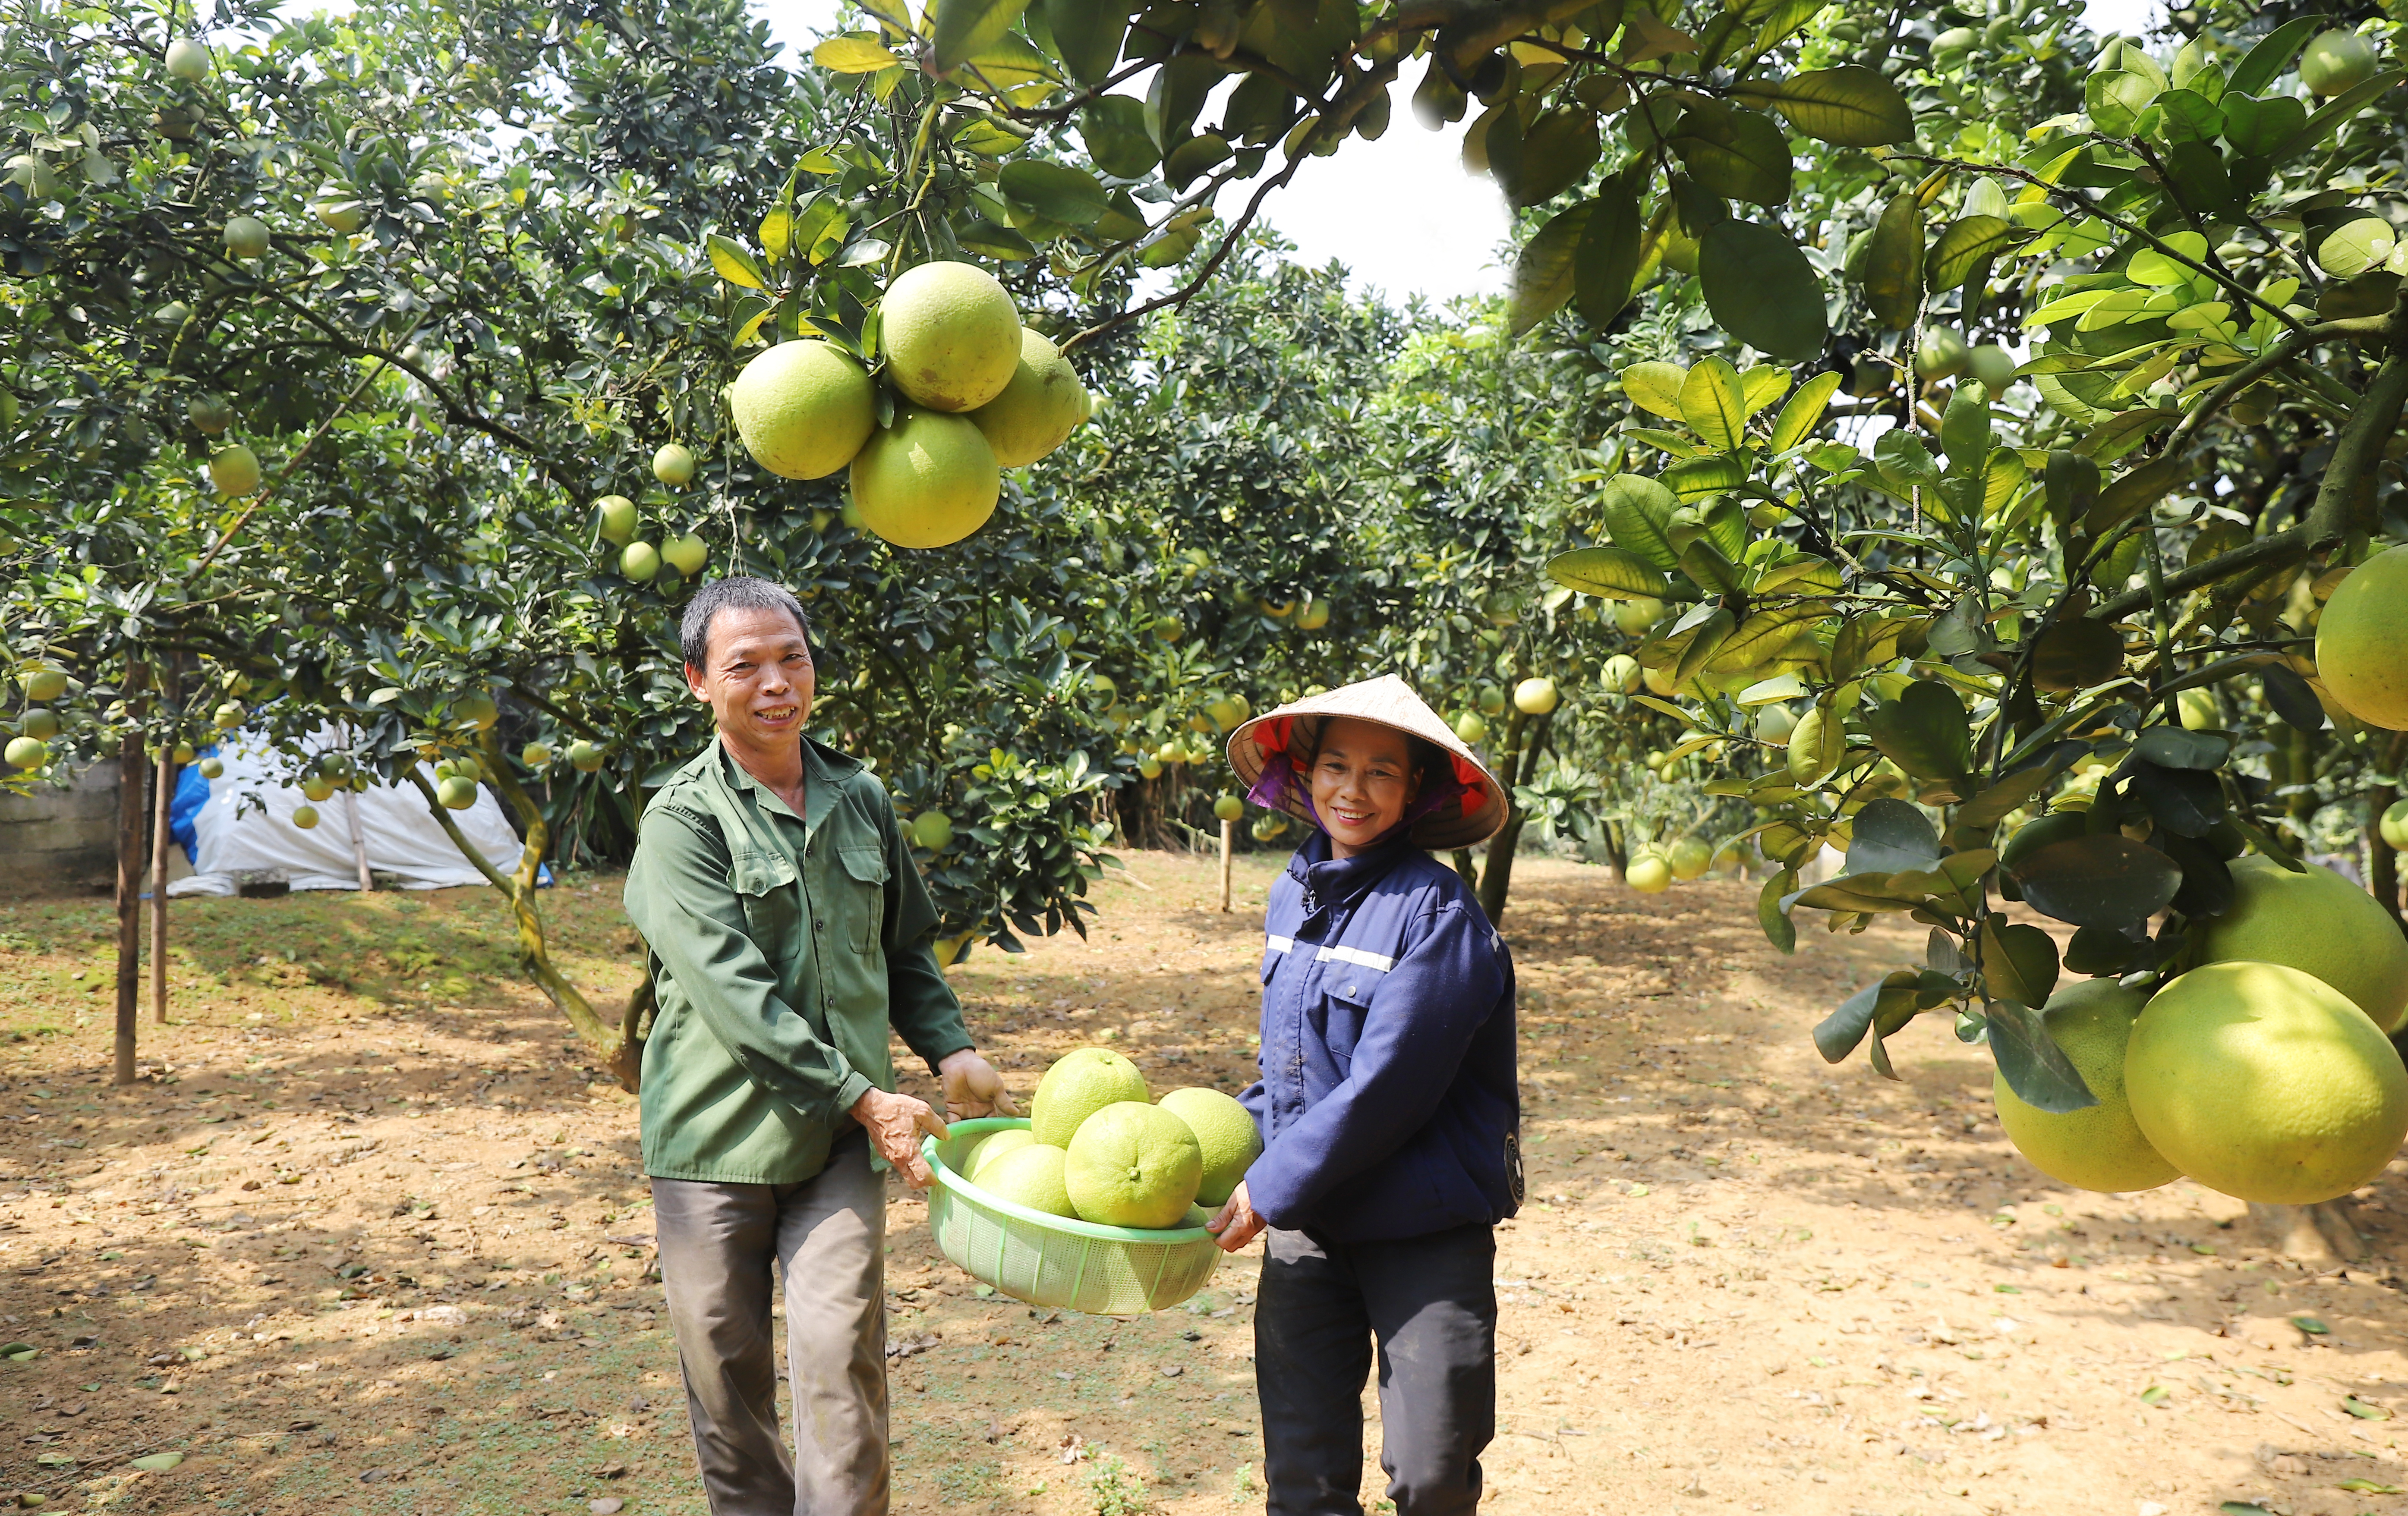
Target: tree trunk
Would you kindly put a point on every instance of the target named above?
(164, 788)
(1617, 858)
(2322, 1234)
(2381, 859)
(1524, 737)
(1469, 868)
(1228, 847)
(133, 770)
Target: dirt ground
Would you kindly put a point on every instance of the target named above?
(369, 1236)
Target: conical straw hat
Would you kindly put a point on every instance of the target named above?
(1471, 814)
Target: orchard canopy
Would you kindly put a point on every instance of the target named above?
(1952, 439)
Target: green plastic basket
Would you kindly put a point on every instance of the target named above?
(1055, 1259)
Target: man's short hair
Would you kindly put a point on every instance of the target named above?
(737, 592)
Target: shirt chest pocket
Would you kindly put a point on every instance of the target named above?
(860, 910)
(772, 897)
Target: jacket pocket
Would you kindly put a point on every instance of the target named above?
(1344, 1011)
(773, 903)
(865, 903)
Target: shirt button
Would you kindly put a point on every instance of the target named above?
(819, 926)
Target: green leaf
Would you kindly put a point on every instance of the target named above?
(2132, 493)
(1894, 263)
(1713, 401)
(1888, 836)
(1734, 154)
(2335, 111)
(1762, 289)
(734, 263)
(2366, 1411)
(1605, 268)
(966, 28)
(2312, 1326)
(1704, 642)
(2156, 1395)
(2018, 962)
(1706, 566)
(2265, 62)
(1849, 106)
(2035, 1068)
(1087, 34)
(1696, 479)
(2116, 98)
(1196, 156)
(1779, 929)
(853, 54)
(1924, 731)
(1542, 275)
(1763, 385)
(156, 1462)
(1638, 515)
(1969, 242)
(1656, 386)
(1615, 573)
(1557, 151)
(2101, 880)
(2259, 128)
(1057, 192)
(987, 238)
(1113, 129)
(1804, 411)
(2357, 1486)
(2175, 747)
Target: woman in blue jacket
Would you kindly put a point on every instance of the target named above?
(1388, 1107)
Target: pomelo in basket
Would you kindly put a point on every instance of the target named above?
(2266, 1083)
(1031, 1176)
(1081, 1084)
(2100, 1146)
(1012, 1139)
(1226, 1134)
(2317, 922)
(1133, 1164)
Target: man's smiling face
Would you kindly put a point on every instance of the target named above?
(760, 680)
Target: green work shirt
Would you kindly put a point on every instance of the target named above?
(782, 948)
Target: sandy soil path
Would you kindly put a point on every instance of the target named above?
(370, 1238)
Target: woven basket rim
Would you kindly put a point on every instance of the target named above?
(1067, 1225)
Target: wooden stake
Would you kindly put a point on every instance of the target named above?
(166, 788)
(1228, 845)
(133, 770)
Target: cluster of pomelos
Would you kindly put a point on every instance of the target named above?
(1098, 1149)
(979, 393)
(2265, 1070)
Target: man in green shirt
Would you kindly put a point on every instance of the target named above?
(789, 929)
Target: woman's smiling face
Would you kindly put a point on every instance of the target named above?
(1362, 780)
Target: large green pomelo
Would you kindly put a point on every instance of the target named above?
(2362, 641)
(1030, 1176)
(1081, 1084)
(803, 410)
(928, 479)
(2319, 924)
(949, 333)
(235, 471)
(1011, 1139)
(1039, 409)
(2100, 1146)
(1225, 1135)
(2266, 1083)
(2336, 62)
(1133, 1164)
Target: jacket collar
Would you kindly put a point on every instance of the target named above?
(1334, 883)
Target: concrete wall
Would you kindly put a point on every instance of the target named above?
(61, 841)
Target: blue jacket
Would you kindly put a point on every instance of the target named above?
(1388, 1102)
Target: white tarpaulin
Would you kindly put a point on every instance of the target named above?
(402, 838)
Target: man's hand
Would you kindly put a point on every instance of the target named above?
(894, 1123)
(1236, 1222)
(972, 1087)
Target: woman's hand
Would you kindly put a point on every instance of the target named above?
(894, 1123)
(1235, 1223)
(972, 1087)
